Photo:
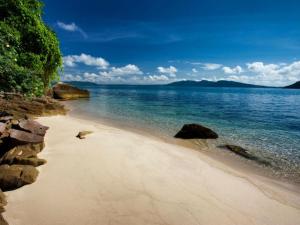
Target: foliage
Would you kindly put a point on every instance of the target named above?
(29, 50)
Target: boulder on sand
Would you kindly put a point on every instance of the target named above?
(82, 134)
(196, 131)
(67, 92)
(15, 176)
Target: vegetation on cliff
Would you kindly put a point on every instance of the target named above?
(29, 50)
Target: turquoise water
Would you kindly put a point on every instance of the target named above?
(265, 121)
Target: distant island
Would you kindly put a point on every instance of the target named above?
(220, 83)
(294, 86)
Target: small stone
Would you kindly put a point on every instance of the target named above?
(82, 134)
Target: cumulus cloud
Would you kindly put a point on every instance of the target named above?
(232, 70)
(158, 77)
(130, 69)
(171, 71)
(72, 27)
(71, 60)
(194, 70)
(270, 74)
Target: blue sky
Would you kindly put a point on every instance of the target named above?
(136, 41)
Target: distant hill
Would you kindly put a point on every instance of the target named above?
(220, 83)
(294, 86)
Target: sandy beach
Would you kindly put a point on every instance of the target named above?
(118, 177)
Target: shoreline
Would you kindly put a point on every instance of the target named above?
(208, 147)
(136, 179)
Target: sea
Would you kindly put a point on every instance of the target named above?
(266, 121)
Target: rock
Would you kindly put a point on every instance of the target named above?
(66, 92)
(3, 201)
(32, 127)
(196, 131)
(21, 107)
(29, 161)
(16, 176)
(25, 137)
(3, 221)
(2, 127)
(240, 151)
(82, 134)
(245, 154)
(23, 154)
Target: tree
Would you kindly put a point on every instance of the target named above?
(29, 50)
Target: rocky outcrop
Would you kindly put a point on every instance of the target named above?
(22, 107)
(3, 203)
(67, 92)
(16, 176)
(196, 131)
(20, 141)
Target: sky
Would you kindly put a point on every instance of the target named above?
(161, 41)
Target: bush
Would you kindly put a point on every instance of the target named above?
(29, 50)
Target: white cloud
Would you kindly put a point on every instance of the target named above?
(194, 70)
(260, 67)
(70, 77)
(72, 27)
(232, 70)
(158, 78)
(171, 71)
(130, 69)
(280, 74)
(210, 66)
(71, 60)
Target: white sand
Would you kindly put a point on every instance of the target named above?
(118, 177)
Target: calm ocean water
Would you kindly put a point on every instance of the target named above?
(265, 121)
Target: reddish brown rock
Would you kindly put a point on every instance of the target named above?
(25, 137)
(33, 127)
(67, 92)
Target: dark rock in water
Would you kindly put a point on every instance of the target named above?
(67, 92)
(240, 151)
(196, 131)
(15, 176)
(245, 154)
(82, 134)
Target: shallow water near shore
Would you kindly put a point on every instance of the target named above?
(265, 121)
